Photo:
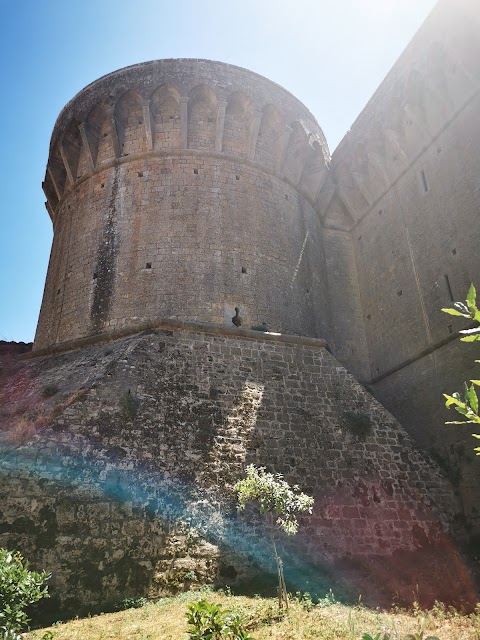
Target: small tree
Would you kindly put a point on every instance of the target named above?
(466, 404)
(19, 588)
(280, 503)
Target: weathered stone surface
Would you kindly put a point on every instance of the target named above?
(113, 452)
(185, 214)
(191, 190)
(407, 174)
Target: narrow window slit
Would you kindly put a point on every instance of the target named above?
(424, 180)
(449, 288)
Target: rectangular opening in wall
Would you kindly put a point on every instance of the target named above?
(448, 287)
(423, 180)
(148, 265)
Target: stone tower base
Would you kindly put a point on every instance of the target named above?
(118, 461)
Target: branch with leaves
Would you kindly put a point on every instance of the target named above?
(280, 502)
(466, 404)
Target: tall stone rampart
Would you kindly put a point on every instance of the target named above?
(405, 180)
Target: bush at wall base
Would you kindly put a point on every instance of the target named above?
(19, 587)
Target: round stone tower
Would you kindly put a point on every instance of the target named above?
(184, 189)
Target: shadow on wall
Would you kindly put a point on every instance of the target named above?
(123, 487)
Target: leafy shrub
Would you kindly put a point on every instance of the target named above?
(280, 502)
(209, 621)
(19, 588)
(130, 603)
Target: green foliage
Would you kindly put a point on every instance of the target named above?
(304, 600)
(411, 636)
(467, 310)
(19, 588)
(274, 496)
(130, 603)
(277, 499)
(209, 621)
(466, 404)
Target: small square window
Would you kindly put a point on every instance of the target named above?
(148, 265)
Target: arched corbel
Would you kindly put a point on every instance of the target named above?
(147, 120)
(51, 173)
(359, 180)
(84, 133)
(378, 166)
(282, 148)
(253, 134)
(116, 131)
(220, 124)
(314, 172)
(184, 120)
(50, 211)
(49, 195)
(392, 141)
(68, 169)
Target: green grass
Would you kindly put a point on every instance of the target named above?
(165, 620)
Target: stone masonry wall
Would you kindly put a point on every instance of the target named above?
(184, 189)
(110, 451)
(406, 175)
(186, 237)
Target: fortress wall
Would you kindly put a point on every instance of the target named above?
(109, 449)
(184, 189)
(186, 237)
(347, 338)
(408, 173)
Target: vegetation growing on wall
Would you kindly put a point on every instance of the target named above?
(466, 403)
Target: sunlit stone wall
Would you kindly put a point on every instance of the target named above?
(109, 449)
(184, 189)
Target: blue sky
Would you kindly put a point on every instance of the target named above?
(332, 54)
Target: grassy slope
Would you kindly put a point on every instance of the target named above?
(165, 620)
